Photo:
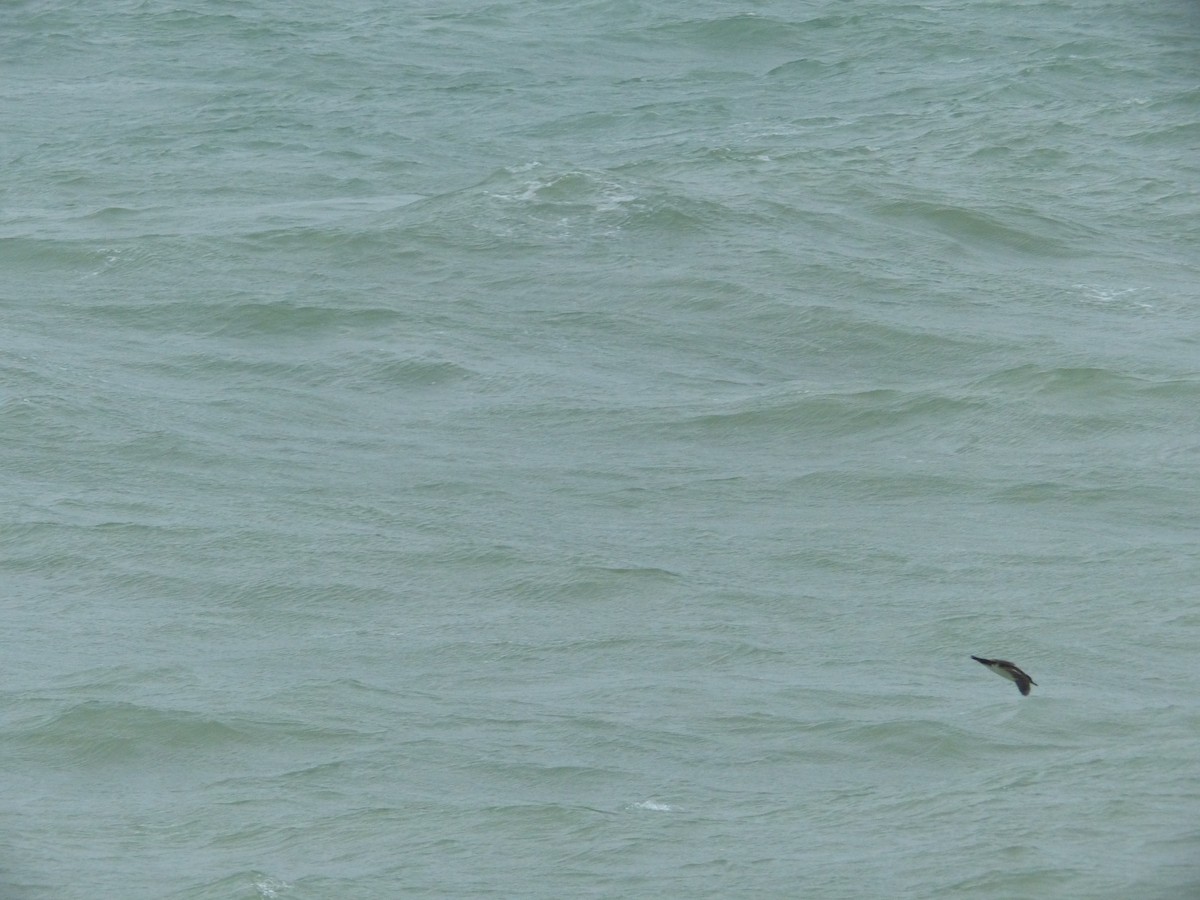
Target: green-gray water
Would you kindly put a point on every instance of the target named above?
(545, 450)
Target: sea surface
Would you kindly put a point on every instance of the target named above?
(531, 449)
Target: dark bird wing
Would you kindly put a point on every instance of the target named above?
(1023, 681)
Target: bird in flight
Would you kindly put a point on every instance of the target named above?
(1005, 669)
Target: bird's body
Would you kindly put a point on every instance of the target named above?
(1005, 669)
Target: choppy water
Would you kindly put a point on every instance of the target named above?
(571, 450)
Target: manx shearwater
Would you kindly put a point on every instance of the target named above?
(1005, 669)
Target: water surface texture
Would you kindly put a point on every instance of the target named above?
(544, 450)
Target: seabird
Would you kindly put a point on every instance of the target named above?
(1005, 669)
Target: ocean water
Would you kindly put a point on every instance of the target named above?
(536, 449)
